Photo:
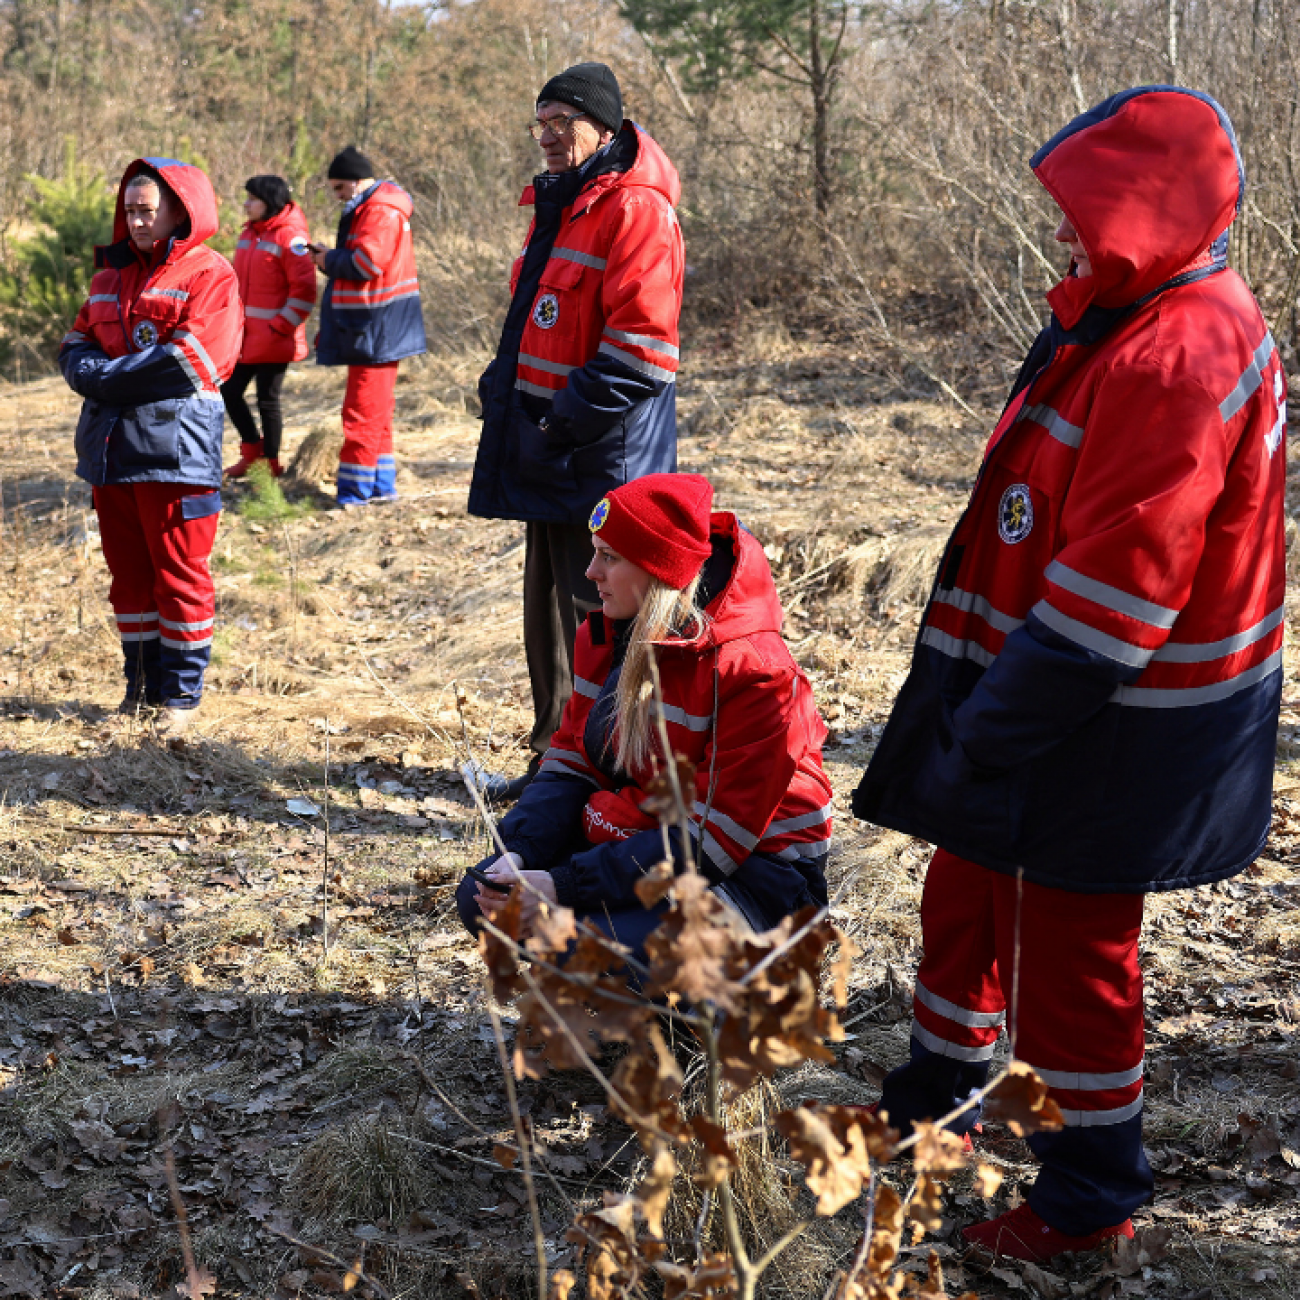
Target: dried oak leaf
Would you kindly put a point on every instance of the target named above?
(987, 1180)
(714, 1278)
(504, 1156)
(498, 956)
(926, 1207)
(655, 883)
(656, 1187)
(1134, 1254)
(834, 1152)
(1020, 1101)
(696, 951)
(932, 1287)
(562, 1282)
(937, 1152)
(661, 801)
(717, 1157)
(199, 1282)
(647, 1083)
(554, 929)
(605, 1237)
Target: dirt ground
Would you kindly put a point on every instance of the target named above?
(195, 976)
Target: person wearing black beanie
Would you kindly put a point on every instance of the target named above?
(580, 398)
(370, 319)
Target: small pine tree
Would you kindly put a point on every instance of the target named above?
(49, 274)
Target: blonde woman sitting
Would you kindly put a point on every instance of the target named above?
(696, 587)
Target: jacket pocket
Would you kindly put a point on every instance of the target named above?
(147, 438)
(538, 457)
(94, 429)
(604, 459)
(201, 505)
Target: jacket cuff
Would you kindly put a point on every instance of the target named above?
(565, 880)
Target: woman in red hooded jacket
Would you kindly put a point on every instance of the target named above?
(277, 283)
(694, 589)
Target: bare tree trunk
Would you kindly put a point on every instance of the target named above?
(819, 83)
(1171, 31)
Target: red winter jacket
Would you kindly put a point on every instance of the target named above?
(152, 345)
(1095, 688)
(736, 705)
(277, 282)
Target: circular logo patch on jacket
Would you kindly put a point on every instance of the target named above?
(546, 312)
(1015, 514)
(298, 245)
(145, 334)
(599, 515)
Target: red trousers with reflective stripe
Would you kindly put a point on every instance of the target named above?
(161, 592)
(366, 465)
(1074, 1002)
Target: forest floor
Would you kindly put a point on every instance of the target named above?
(195, 976)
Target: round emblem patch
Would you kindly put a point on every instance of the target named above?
(599, 515)
(546, 312)
(1015, 514)
(145, 334)
(298, 245)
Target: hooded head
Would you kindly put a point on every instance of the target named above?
(1149, 179)
(189, 186)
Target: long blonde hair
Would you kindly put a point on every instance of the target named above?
(666, 611)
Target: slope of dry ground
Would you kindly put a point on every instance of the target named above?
(191, 971)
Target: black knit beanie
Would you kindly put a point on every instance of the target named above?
(272, 190)
(351, 164)
(591, 87)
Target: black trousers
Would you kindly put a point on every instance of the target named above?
(270, 379)
(557, 597)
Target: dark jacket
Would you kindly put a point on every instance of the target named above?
(152, 345)
(370, 310)
(1094, 692)
(740, 709)
(590, 339)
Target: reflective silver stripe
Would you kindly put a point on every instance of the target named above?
(102, 297)
(1250, 380)
(718, 855)
(815, 818)
(1090, 1082)
(569, 767)
(812, 851)
(181, 295)
(942, 1047)
(371, 295)
(691, 721)
(728, 824)
(269, 246)
(1182, 697)
(184, 336)
(201, 626)
(261, 313)
(300, 303)
(173, 350)
(1182, 652)
(139, 636)
(1055, 423)
(292, 316)
(1108, 597)
(363, 261)
(630, 359)
(370, 304)
(74, 336)
(551, 367)
(527, 386)
(956, 648)
(584, 259)
(584, 687)
(136, 618)
(643, 341)
(1088, 637)
(244, 243)
(951, 1011)
(185, 645)
(1101, 1118)
(563, 755)
(969, 603)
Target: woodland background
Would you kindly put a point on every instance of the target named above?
(853, 167)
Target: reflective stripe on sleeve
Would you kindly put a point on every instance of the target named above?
(537, 390)
(269, 246)
(815, 818)
(643, 341)
(630, 359)
(1250, 380)
(1122, 652)
(691, 721)
(174, 350)
(1055, 423)
(583, 259)
(551, 367)
(969, 603)
(1183, 697)
(261, 313)
(365, 264)
(1183, 652)
(1112, 598)
(956, 648)
(102, 297)
(180, 295)
(299, 304)
(184, 336)
(584, 687)
(729, 824)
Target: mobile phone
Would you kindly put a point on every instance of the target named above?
(484, 879)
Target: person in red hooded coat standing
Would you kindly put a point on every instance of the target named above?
(149, 350)
(277, 283)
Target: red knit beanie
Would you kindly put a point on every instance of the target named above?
(660, 522)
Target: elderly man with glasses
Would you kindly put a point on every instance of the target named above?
(580, 397)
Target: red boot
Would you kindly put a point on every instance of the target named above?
(276, 468)
(249, 454)
(1021, 1234)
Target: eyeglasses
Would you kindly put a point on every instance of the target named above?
(558, 126)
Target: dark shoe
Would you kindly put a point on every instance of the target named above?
(1021, 1234)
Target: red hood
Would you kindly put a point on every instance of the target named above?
(748, 603)
(1150, 179)
(290, 217)
(194, 190)
(651, 168)
(389, 195)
